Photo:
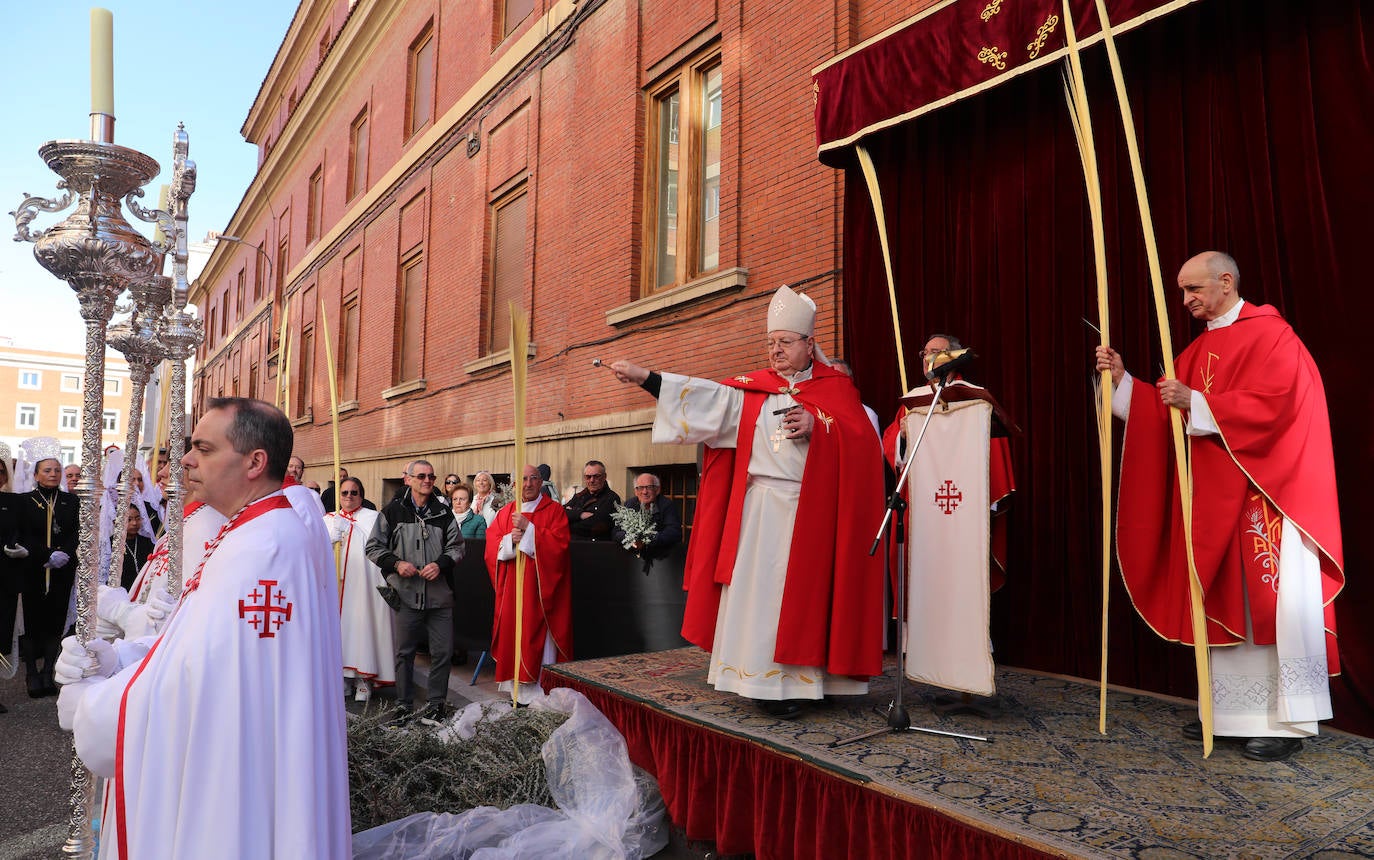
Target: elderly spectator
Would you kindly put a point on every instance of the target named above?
(667, 520)
(484, 495)
(472, 525)
(295, 469)
(71, 473)
(369, 641)
(416, 544)
(589, 511)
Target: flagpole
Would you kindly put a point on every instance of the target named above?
(519, 339)
(1198, 617)
(1081, 116)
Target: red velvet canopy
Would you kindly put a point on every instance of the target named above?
(1255, 132)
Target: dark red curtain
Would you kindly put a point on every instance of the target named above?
(1257, 132)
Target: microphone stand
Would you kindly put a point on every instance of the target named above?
(898, 720)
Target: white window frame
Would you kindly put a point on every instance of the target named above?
(115, 383)
(68, 457)
(109, 420)
(37, 380)
(71, 382)
(19, 410)
(69, 412)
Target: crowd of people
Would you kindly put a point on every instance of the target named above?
(232, 686)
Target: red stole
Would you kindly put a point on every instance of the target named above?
(1266, 395)
(831, 613)
(548, 591)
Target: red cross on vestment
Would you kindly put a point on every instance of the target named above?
(948, 497)
(268, 611)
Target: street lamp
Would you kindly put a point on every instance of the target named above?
(265, 256)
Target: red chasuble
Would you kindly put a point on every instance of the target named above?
(832, 604)
(548, 591)
(1273, 454)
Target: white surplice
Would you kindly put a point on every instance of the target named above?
(367, 624)
(692, 410)
(229, 736)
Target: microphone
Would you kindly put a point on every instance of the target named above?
(949, 361)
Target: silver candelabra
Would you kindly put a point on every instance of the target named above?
(101, 256)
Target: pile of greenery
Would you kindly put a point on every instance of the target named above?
(393, 773)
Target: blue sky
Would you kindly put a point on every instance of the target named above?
(192, 61)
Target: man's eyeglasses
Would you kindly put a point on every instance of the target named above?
(425, 476)
(650, 487)
(349, 493)
(598, 477)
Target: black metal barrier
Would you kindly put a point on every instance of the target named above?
(617, 608)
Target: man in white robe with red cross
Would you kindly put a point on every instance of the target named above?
(226, 740)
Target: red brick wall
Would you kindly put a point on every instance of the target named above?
(575, 130)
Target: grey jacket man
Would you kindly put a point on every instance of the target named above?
(419, 536)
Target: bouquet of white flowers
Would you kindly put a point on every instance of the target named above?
(637, 524)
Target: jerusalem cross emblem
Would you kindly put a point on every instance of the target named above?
(948, 497)
(268, 610)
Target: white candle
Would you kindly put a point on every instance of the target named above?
(102, 61)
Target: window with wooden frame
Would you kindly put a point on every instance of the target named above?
(507, 266)
(349, 347)
(313, 205)
(241, 291)
(410, 319)
(357, 155)
(682, 203)
(512, 13)
(283, 255)
(224, 313)
(305, 381)
(420, 76)
(258, 271)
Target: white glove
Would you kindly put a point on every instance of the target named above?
(96, 659)
(16, 551)
(108, 602)
(69, 699)
(336, 529)
(58, 559)
(158, 609)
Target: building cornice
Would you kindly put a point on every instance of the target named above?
(361, 36)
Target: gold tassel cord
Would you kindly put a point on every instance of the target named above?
(519, 340)
(1198, 617)
(334, 420)
(1081, 116)
(875, 193)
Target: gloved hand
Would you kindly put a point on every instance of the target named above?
(68, 700)
(58, 559)
(108, 603)
(144, 619)
(337, 528)
(16, 551)
(158, 609)
(96, 659)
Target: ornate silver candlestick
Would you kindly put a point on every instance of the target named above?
(137, 339)
(100, 256)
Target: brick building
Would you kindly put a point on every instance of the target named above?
(639, 176)
(43, 389)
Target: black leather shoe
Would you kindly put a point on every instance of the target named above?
(436, 714)
(401, 715)
(787, 709)
(1271, 749)
(34, 682)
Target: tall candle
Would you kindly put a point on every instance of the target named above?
(102, 61)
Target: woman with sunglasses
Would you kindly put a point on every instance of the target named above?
(369, 645)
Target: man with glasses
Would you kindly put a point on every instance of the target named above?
(416, 543)
(589, 511)
(667, 520)
(780, 586)
(327, 497)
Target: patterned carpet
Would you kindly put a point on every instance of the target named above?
(1049, 779)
